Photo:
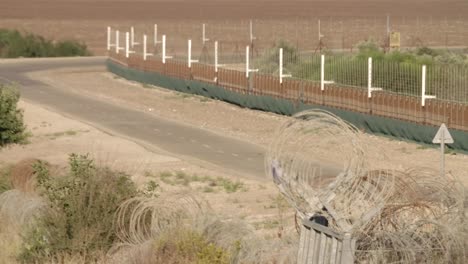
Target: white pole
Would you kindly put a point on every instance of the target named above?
(117, 39)
(217, 65)
(322, 73)
(369, 78)
(216, 56)
(442, 153)
(423, 83)
(204, 39)
(144, 47)
(127, 45)
(252, 38)
(247, 68)
(190, 53)
(108, 38)
(132, 35)
(281, 75)
(145, 50)
(319, 31)
(164, 49)
(189, 60)
(164, 56)
(281, 65)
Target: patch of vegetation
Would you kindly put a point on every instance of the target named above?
(267, 224)
(208, 189)
(5, 180)
(14, 44)
(187, 246)
(61, 134)
(82, 207)
(12, 128)
(228, 185)
(181, 178)
(396, 71)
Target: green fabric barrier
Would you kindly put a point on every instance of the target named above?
(374, 124)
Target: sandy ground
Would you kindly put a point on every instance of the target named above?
(226, 119)
(55, 136)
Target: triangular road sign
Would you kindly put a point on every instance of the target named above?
(443, 133)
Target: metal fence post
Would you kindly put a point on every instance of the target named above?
(164, 56)
(370, 89)
(145, 52)
(281, 75)
(204, 39)
(189, 59)
(322, 72)
(109, 39)
(423, 88)
(117, 42)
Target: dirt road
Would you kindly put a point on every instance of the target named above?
(230, 154)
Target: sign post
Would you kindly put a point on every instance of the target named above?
(443, 137)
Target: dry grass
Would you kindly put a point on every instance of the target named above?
(152, 229)
(18, 210)
(22, 175)
(161, 228)
(10, 241)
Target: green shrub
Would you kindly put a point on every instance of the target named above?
(70, 48)
(82, 207)
(13, 44)
(187, 246)
(269, 62)
(369, 49)
(12, 128)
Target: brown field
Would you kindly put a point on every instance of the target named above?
(344, 23)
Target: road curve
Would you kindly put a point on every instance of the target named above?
(233, 155)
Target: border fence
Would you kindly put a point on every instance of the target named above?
(423, 94)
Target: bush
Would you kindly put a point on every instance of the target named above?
(82, 207)
(12, 129)
(269, 62)
(13, 44)
(187, 246)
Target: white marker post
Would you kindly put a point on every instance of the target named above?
(443, 137)
(189, 59)
(247, 66)
(204, 39)
(156, 41)
(109, 38)
(164, 56)
(145, 51)
(252, 38)
(281, 75)
(423, 88)
(320, 36)
(132, 35)
(127, 45)
(370, 89)
(217, 65)
(322, 74)
(117, 42)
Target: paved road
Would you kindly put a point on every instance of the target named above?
(228, 153)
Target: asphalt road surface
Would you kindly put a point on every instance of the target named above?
(233, 155)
